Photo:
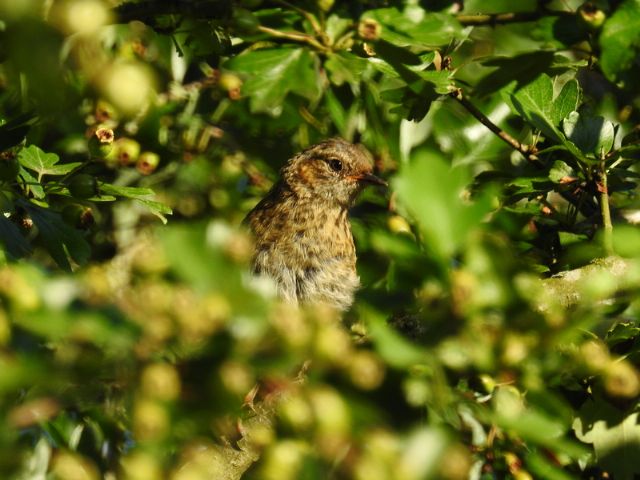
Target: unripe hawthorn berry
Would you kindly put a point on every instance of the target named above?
(147, 162)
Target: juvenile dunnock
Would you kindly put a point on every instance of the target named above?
(302, 233)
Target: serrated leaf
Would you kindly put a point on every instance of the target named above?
(592, 135)
(345, 67)
(274, 73)
(620, 39)
(61, 241)
(615, 436)
(535, 103)
(34, 158)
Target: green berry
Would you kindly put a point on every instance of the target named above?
(591, 16)
(83, 185)
(78, 216)
(147, 162)
(127, 151)
(101, 142)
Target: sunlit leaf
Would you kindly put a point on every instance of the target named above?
(620, 39)
(274, 73)
(615, 435)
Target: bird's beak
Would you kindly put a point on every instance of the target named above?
(370, 178)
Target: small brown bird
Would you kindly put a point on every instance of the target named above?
(302, 233)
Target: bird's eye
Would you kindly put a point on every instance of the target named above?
(336, 165)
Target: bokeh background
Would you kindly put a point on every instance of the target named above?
(485, 342)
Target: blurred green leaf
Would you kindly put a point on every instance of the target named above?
(620, 39)
(395, 349)
(523, 68)
(15, 244)
(13, 131)
(615, 435)
(60, 240)
(345, 67)
(416, 27)
(432, 191)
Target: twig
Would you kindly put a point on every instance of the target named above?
(295, 37)
(526, 150)
(607, 237)
(309, 16)
(504, 18)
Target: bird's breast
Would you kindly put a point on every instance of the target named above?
(310, 254)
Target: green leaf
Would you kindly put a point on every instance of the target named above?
(345, 67)
(535, 103)
(523, 68)
(622, 332)
(128, 192)
(416, 27)
(620, 39)
(157, 208)
(139, 194)
(43, 163)
(422, 86)
(431, 190)
(274, 73)
(615, 436)
(394, 348)
(592, 135)
(560, 170)
(566, 102)
(32, 185)
(61, 241)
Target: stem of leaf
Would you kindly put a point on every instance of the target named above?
(309, 16)
(295, 37)
(607, 238)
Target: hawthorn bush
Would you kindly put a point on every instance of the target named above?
(496, 334)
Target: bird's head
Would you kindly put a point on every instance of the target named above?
(333, 171)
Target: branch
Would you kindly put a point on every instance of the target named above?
(526, 150)
(294, 37)
(505, 18)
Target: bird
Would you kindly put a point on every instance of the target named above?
(301, 229)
